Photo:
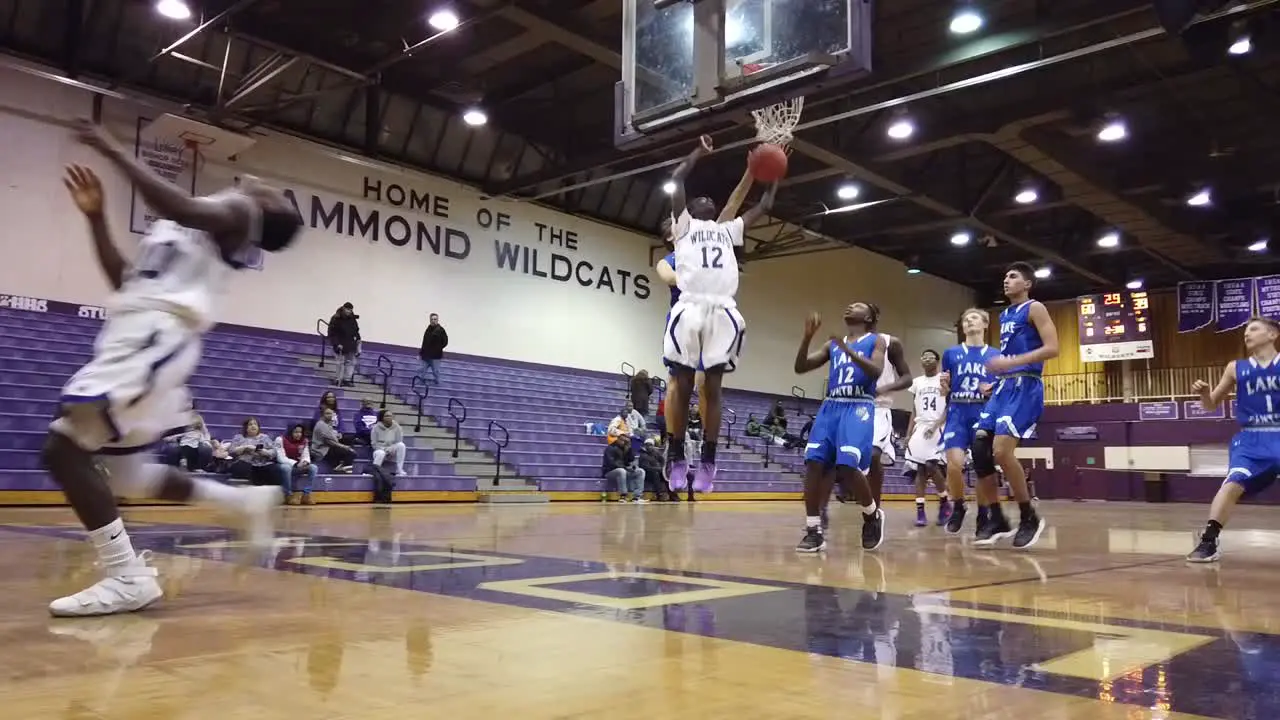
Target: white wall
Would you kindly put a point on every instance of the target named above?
(602, 304)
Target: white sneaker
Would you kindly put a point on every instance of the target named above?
(259, 509)
(125, 589)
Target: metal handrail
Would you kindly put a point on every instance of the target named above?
(420, 388)
(324, 338)
(798, 393)
(731, 419)
(387, 370)
(454, 405)
(628, 370)
(506, 439)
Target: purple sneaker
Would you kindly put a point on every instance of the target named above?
(921, 518)
(704, 480)
(678, 475)
(944, 512)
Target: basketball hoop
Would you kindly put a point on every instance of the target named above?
(775, 122)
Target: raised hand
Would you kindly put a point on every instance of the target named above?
(85, 189)
(944, 382)
(704, 145)
(811, 324)
(95, 136)
(1200, 387)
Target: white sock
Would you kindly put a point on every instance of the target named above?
(920, 501)
(113, 546)
(869, 509)
(813, 522)
(211, 492)
(944, 496)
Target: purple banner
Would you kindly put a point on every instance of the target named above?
(1195, 305)
(1269, 297)
(1158, 411)
(1191, 410)
(1235, 303)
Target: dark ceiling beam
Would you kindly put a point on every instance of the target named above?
(884, 182)
(261, 77)
(73, 34)
(220, 18)
(509, 50)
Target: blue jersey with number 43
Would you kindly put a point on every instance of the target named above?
(967, 366)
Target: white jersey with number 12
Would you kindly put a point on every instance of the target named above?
(706, 268)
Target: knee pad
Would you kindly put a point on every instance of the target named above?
(984, 459)
(134, 475)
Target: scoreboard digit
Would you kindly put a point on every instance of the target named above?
(1115, 326)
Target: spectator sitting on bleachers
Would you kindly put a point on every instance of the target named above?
(295, 464)
(344, 336)
(327, 445)
(387, 441)
(651, 460)
(330, 401)
(192, 448)
(620, 467)
(254, 456)
(364, 421)
(618, 427)
(777, 419)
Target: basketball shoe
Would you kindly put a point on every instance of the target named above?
(124, 589)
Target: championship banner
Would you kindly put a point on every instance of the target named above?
(1195, 305)
(1235, 303)
(1269, 297)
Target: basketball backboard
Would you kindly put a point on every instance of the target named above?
(686, 59)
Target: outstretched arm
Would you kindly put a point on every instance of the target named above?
(678, 198)
(761, 208)
(213, 216)
(807, 361)
(737, 197)
(86, 192)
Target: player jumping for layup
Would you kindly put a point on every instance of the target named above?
(705, 330)
(924, 437)
(843, 432)
(1254, 457)
(134, 388)
(967, 383)
(1027, 339)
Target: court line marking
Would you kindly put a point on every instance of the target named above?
(1047, 577)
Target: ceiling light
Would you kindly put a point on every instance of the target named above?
(961, 238)
(1043, 272)
(901, 129)
(1026, 196)
(1134, 284)
(669, 187)
(1200, 198)
(1259, 246)
(913, 270)
(443, 20)
(848, 191)
(1109, 240)
(1113, 131)
(475, 117)
(1241, 46)
(966, 21)
(174, 9)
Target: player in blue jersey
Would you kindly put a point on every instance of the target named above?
(844, 431)
(967, 384)
(666, 270)
(1254, 459)
(1027, 339)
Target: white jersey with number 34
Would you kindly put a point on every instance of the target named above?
(706, 268)
(930, 404)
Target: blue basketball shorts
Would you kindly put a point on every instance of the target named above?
(1254, 459)
(842, 434)
(1014, 408)
(958, 430)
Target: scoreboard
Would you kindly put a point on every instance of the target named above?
(1115, 326)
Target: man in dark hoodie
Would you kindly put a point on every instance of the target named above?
(344, 336)
(434, 341)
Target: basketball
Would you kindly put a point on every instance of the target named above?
(768, 163)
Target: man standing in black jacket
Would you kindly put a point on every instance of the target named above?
(434, 341)
(344, 336)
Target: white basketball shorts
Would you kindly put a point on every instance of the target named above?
(138, 376)
(921, 449)
(884, 436)
(703, 335)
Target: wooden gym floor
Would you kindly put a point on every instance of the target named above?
(661, 611)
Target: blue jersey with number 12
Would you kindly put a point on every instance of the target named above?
(845, 378)
(967, 366)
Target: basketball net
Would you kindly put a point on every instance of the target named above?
(775, 122)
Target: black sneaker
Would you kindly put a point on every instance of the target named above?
(1029, 529)
(993, 530)
(955, 523)
(1205, 552)
(813, 541)
(873, 530)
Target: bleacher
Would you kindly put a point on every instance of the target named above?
(539, 415)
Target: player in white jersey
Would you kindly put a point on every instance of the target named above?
(924, 437)
(134, 389)
(705, 330)
(896, 376)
